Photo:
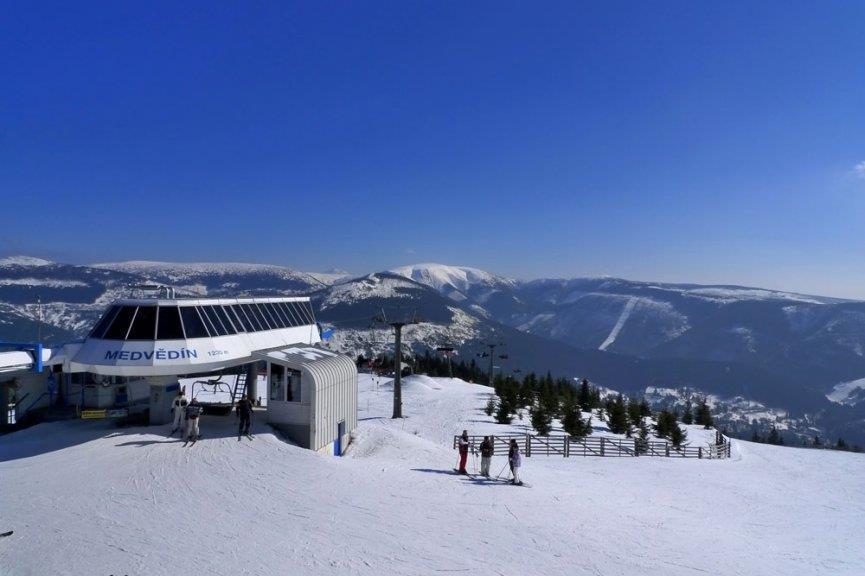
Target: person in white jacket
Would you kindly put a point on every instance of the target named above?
(178, 408)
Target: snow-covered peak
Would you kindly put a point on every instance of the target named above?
(24, 261)
(447, 279)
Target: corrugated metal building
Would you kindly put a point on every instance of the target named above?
(312, 396)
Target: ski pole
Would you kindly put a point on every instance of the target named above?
(500, 471)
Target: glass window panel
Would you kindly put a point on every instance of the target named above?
(262, 317)
(289, 321)
(277, 374)
(103, 324)
(298, 321)
(144, 325)
(192, 324)
(226, 321)
(297, 308)
(169, 326)
(292, 388)
(120, 325)
(281, 308)
(280, 321)
(237, 317)
(274, 322)
(210, 312)
(252, 317)
(307, 309)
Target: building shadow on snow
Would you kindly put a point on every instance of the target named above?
(52, 436)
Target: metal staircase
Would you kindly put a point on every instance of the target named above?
(239, 388)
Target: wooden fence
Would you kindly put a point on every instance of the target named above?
(566, 446)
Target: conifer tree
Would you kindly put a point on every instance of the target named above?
(643, 439)
(688, 413)
(704, 414)
(491, 406)
(618, 416)
(775, 437)
(665, 423)
(542, 420)
(584, 396)
(645, 409)
(634, 414)
(503, 413)
(572, 420)
(677, 435)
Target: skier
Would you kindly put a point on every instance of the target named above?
(178, 407)
(487, 450)
(464, 451)
(193, 411)
(515, 460)
(244, 413)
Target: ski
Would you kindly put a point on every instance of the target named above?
(250, 436)
(5, 534)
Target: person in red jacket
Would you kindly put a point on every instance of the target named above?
(464, 451)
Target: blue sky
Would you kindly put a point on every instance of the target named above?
(675, 141)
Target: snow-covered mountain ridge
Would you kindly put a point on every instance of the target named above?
(780, 349)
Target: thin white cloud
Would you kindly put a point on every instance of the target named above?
(859, 170)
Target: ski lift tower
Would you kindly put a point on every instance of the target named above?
(397, 375)
(448, 351)
(492, 356)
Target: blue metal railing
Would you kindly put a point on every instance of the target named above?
(36, 347)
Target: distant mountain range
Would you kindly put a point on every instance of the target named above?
(787, 352)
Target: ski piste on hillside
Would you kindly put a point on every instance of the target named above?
(393, 505)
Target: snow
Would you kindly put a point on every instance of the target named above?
(373, 341)
(727, 295)
(181, 271)
(86, 498)
(623, 317)
(47, 282)
(24, 261)
(842, 393)
(453, 281)
(372, 286)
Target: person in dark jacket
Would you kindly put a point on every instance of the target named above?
(487, 450)
(193, 412)
(515, 459)
(464, 451)
(244, 413)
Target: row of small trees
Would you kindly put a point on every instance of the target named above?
(547, 399)
(774, 437)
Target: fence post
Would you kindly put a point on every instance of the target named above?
(667, 449)
(602, 445)
(635, 448)
(700, 452)
(528, 445)
(567, 448)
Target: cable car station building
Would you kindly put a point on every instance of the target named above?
(312, 393)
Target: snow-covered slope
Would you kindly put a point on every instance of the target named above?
(456, 282)
(86, 499)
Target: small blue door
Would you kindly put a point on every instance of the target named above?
(337, 445)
